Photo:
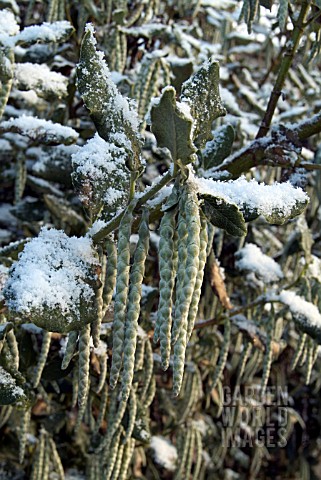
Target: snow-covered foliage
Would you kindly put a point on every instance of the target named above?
(160, 177)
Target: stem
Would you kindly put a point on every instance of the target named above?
(284, 69)
(254, 154)
(114, 223)
(133, 176)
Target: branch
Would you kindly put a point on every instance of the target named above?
(253, 154)
(285, 65)
(150, 193)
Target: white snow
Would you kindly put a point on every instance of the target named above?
(32, 127)
(47, 32)
(8, 25)
(100, 161)
(50, 273)
(251, 258)
(40, 77)
(265, 199)
(299, 306)
(165, 453)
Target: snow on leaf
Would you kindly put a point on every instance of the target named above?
(43, 131)
(54, 281)
(251, 258)
(100, 174)
(277, 202)
(31, 76)
(45, 33)
(306, 315)
(111, 112)
(201, 93)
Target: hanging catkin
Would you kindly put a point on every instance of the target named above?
(199, 279)
(123, 261)
(84, 356)
(166, 284)
(185, 289)
(111, 273)
(46, 339)
(70, 349)
(134, 297)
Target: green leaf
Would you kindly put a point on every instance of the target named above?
(218, 149)
(172, 127)
(201, 93)
(224, 215)
(115, 119)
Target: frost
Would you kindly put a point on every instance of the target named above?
(52, 273)
(265, 199)
(251, 258)
(164, 452)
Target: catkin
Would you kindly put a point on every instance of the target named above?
(70, 349)
(103, 371)
(102, 408)
(267, 362)
(13, 347)
(118, 462)
(115, 416)
(199, 279)
(148, 370)
(182, 256)
(186, 287)
(38, 463)
(56, 460)
(132, 411)
(46, 339)
(134, 297)
(83, 368)
(299, 351)
(123, 260)
(127, 456)
(198, 454)
(166, 285)
(111, 273)
(96, 324)
(23, 430)
(111, 453)
(185, 443)
(223, 352)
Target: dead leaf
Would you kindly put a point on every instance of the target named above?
(218, 285)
